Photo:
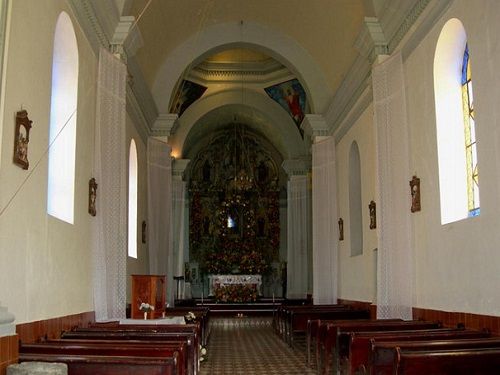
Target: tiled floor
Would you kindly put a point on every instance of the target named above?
(249, 346)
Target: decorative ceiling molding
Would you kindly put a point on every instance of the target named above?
(340, 112)
(179, 166)
(140, 104)
(165, 124)
(371, 41)
(87, 19)
(357, 109)
(346, 96)
(127, 38)
(135, 112)
(408, 22)
(314, 125)
(262, 73)
(297, 167)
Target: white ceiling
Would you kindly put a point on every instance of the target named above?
(232, 46)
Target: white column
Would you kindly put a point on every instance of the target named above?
(324, 211)
(179, 213)
(110, 226)
(299, 228)
(395, 256)
(161, 259)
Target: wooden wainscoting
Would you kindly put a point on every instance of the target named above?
(447, 318)
(9, 352)
(451, 319)
(52, 328)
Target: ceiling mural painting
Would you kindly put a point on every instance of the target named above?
(292, 97)
(186, 95)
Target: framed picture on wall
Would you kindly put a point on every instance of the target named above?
(21, 139)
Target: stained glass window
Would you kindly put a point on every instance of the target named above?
(470, 137)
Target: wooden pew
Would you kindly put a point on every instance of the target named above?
(283, 315)
(297, 319)
(108, 365)
(142, 335)
(313, 330)
(336, 339)
(383, 353)
(484, 361)
(123, 349)
(357, 357)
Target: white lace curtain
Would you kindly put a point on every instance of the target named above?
(298, 237)
(161, 260)
(110, 224)
(395, 263)
(325, 232)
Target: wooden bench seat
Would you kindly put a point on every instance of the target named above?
(297, 320)
(357, 357)
(337, 335)
(313, 328)
(141, 335)
(116, 348)
(383, 353)
(109, 365)
(483, 361)
(283, 314)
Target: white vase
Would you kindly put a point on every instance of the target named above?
(145, 315)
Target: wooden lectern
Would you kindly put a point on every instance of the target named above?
(148, 289)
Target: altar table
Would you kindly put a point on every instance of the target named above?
(215, 281)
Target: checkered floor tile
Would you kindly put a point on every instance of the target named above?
(251, 348)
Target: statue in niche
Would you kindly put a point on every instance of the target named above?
(234, 221)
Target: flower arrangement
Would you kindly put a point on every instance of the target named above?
(146, 307)
(233, 257)
(236, 293)
(253, 263)
(190, 317)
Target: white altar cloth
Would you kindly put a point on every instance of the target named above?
(215, 281)
(171, 320)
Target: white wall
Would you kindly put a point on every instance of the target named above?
(458, 264)
(357, 273)
(45, 264)
(45, 267)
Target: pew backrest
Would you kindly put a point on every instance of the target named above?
(484, 361)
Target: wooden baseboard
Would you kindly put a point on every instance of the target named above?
(451, 319)
(52, 328)
(9, 352)
(447, 318)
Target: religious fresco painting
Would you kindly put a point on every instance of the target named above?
(186, 95)
(292, 97)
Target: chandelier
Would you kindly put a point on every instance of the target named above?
(243, 174)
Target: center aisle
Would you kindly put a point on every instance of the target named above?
(249, 346)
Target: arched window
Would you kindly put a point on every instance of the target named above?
(62, 132)
(470, 137)
(355, 202)
(455, 126)
(132, 201)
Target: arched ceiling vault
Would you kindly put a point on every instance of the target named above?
(325, 44)
(265, 117)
